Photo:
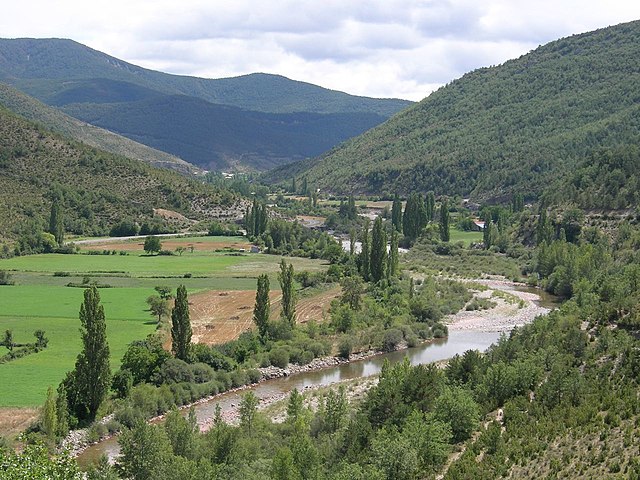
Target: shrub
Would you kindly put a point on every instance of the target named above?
(279, 357)
(345, 346)
(391, 339)
(5, 278)
(254, 375)
(122, 382)
(174, 370)
(306, 357)
(238, 378)
(202, 373)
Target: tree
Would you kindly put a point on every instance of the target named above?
(457, 407)
(164, 291)
(378, 262)
(364, 252)
(152, 244)
(158, 307)
(294, 406)
(62, 412)
(49, 415)
(393, 259)
(180, 250)
(145, 452)
(352, 241)
(56, 222)
(444, 221)
(288, 293)
(8, 340)
(181, 325)
(430, 204)
(248, 410)
(262, 307)
(352, 289)
(396, 213)
(92, 372)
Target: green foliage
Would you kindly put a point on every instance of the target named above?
(91, 378)
(262, 307)
(35, 463)
(378, 262)
(285, 277)
(181, 325)
(443, 225)
(497, 131)
(152, 244)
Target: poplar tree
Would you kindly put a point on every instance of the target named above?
(92, 375)
(444, 221)
(396, 213)
(262, 307)
(430, 204)
(364, 252)
(409, 217)
(181, 325)
(392, 261)
(49, 415)
(421, 215)
(378, 251)
(288, 294)
(56, 221)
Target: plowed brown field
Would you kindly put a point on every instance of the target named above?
(169, 245)
(221, 316)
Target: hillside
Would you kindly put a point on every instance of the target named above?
(56, 121)
(256, 121)
(498, 130)
(222, 137)
(99, 188)
(42, 67)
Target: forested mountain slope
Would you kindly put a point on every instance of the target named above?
(55, 120)
(99, 189)
(43, 68)
(256, 121)
(499, 130)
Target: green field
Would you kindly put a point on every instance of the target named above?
(466, 237)
(41, 300)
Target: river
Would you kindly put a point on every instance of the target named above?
(440, 349)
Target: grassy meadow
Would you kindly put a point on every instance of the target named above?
(41, 299)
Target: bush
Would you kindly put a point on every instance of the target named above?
(391, 339)
(254, 375)
(279, 357)
(5, 278)
(440, 331)
(202, 373)
(345, 346)
(122, 382)
(306, 357)
(174, 370)
(238, 378)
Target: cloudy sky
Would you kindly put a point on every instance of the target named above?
(381, 48)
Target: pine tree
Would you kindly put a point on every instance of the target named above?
(444, 221)
(181, 325)
(378, 251)
(392, 263)
(92, 372)
(56, 222)
(396, 213)
(364, 252)
(262, 307)
(288, 294)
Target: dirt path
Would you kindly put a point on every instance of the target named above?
(221, 316)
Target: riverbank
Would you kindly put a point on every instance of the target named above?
(276, 383)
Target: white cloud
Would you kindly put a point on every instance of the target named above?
(386, 48)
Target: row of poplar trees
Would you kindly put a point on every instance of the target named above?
(418, 212)
(262, 307)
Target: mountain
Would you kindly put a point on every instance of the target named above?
(218, 136)
(57, 121)
(495, 131)
(99, 188)
(253, 121)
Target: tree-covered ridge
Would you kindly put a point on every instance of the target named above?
(53, 119)
(607, 179)
(42, 67)
(99, 189)
(498, 130)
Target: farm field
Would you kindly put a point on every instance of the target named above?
(199, 244)
(466, 237)
(41, 299)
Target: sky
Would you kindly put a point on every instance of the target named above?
(377, 48)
